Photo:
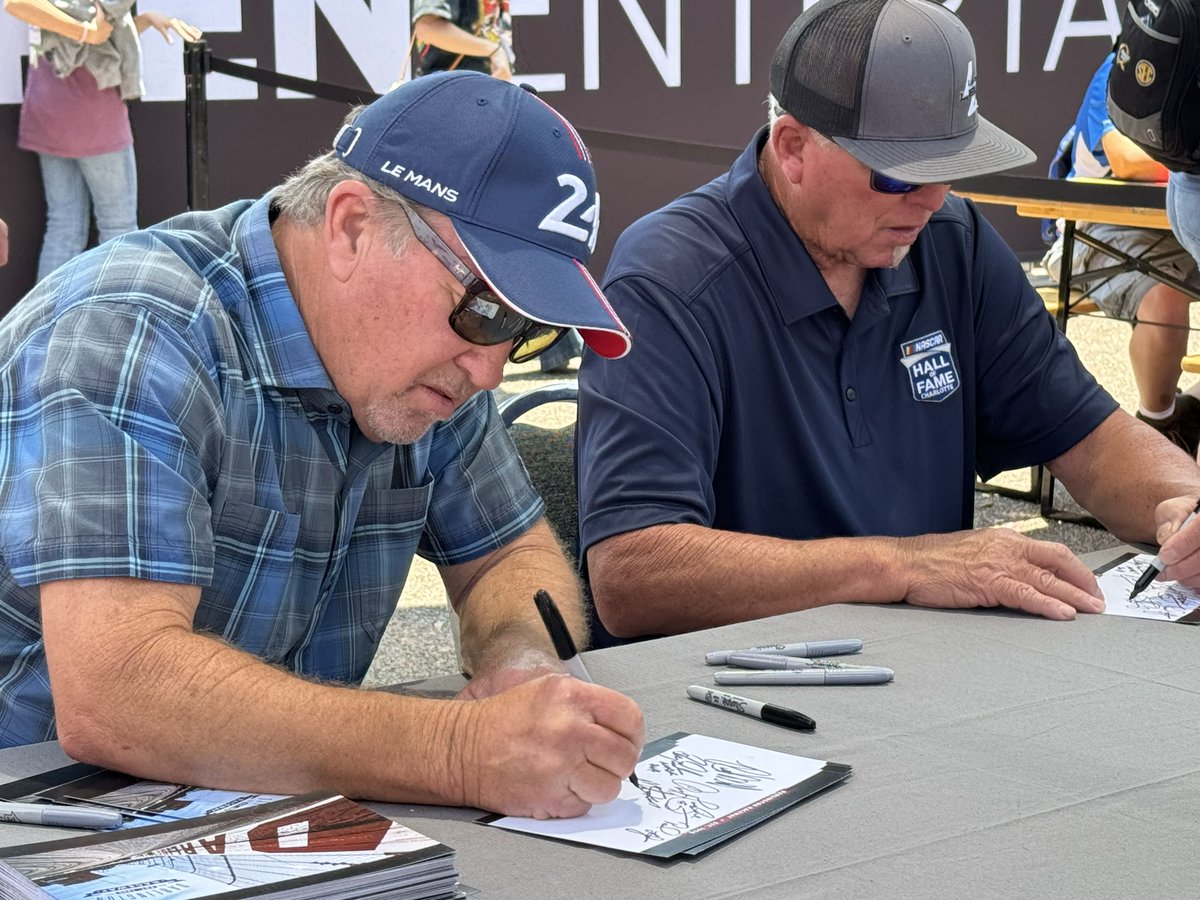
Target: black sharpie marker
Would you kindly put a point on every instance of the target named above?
(768, 712)
(564, 646)
(1157, 565)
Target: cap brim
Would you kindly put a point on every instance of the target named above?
(546, 286)
(986, 150)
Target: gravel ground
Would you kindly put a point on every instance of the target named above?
(420, 640)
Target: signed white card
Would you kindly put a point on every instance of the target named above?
(1167, 600)
(695, 791)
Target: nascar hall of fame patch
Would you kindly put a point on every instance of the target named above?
(931, 367)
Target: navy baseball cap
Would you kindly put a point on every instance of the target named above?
(513, 176)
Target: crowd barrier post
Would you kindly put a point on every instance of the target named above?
(196, 62)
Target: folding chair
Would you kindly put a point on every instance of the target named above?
(549, 457)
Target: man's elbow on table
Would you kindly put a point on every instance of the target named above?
(95, 714)
(83, 728)
(616, 575)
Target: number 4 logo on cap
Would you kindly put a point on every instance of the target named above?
(556, 219)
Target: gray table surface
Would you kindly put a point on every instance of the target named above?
(1011, 757)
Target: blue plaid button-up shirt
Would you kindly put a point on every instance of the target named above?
(164, 416)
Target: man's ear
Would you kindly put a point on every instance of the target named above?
(788, 141)
(346, 235)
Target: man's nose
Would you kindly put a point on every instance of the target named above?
(930, 196)
(485, 365)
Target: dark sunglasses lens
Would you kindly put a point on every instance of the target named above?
(536, 341)
(887, 185)
(484, 320)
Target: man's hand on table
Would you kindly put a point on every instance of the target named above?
(548, 748)
(999, 567)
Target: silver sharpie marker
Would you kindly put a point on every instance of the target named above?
(811, 648)
(60, 816)
(774, 661)
(865, 675)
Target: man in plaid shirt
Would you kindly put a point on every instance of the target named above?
(224, 438)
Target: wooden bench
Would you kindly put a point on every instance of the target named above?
(1077, 305)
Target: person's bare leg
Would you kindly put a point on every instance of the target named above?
(1158, 343)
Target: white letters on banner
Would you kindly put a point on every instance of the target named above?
(374, 36)
(1067, 27)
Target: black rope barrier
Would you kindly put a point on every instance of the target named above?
(198, 62)
(322, 89)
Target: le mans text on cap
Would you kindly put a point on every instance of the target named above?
(514, 177)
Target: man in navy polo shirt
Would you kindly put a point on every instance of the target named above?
(830, 346)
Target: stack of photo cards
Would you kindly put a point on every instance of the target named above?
(311, 846)
(694, 793)
(141, 801)
(1166, 600)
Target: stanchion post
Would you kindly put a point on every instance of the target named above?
(195, 72)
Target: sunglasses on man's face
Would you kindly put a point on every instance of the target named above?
(481, 317)
(885, 184)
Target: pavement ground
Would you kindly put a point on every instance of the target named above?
(420, 640)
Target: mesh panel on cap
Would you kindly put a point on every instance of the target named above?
(824, 90)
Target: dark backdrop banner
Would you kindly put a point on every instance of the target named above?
(691, 74)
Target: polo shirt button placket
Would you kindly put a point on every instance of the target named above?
(851, 394)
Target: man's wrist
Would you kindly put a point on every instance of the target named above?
(83, 32)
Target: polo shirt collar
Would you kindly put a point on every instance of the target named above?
(276, 335)
(785, 263)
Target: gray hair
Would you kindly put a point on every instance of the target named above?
(775, 111)
(303, 195)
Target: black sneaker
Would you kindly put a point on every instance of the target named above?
(1182, 428)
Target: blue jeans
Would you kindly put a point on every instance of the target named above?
(1183, 209)
(107, 183)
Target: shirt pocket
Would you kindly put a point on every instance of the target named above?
(251, 601)
(383, 543)
(370, 576)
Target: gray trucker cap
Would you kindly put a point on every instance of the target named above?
(893, 83)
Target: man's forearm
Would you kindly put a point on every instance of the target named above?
(1122, 471)
(216, 717)
(493, 597)
(135, 689)
(676, 578)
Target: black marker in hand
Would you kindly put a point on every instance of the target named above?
(1157, 565)
(564, 645)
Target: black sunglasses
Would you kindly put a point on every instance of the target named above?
(481, 317)
(885, 184)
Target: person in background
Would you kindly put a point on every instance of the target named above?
(1159, 312)
(1183, 210)
(74, 117)
(830, 346)
(227, 436)
(3, 243)
(475, 35)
